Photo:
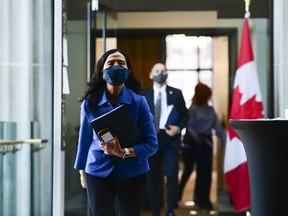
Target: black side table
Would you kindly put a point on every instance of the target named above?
(266, 147)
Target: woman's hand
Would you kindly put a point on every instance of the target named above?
(112, 148)
(83, 178)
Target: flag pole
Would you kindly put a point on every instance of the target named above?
(247, 15)
(247, 5)
(247, 8)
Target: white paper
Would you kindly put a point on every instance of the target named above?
(165, 115)
(65, 87)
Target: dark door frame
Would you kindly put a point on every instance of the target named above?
(231, 33)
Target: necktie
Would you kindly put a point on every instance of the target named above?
(157, 112)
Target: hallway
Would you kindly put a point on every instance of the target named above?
(76, 206)
(186, 206)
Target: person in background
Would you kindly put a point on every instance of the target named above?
(198, 145)
(168, 140)
(109, 183)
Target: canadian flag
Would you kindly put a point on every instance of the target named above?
(246, 104)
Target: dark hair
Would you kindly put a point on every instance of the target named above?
(96, 85)
(202, 94)
(160, 62)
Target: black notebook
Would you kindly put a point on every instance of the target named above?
(121, 123)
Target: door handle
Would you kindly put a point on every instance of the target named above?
(16, 145)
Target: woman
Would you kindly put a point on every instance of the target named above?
(108, 182)
(198, 145)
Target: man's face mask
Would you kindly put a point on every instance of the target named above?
(160, 78)
(115, 75)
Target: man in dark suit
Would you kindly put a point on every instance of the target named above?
(165, 161)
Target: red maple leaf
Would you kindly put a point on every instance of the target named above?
(251, 109)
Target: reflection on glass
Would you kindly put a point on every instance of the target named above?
(205, 52)
(182, 52)
(189, 60)
(184, 80)
(206, 77)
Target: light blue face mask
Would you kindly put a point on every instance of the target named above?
(115, 75)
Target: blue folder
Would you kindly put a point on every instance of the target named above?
(173, 118)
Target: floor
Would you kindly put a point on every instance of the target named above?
(77, 205)
(220, 200)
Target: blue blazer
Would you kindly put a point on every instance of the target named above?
(91, 158)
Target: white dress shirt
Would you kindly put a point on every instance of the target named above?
(164, 108)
